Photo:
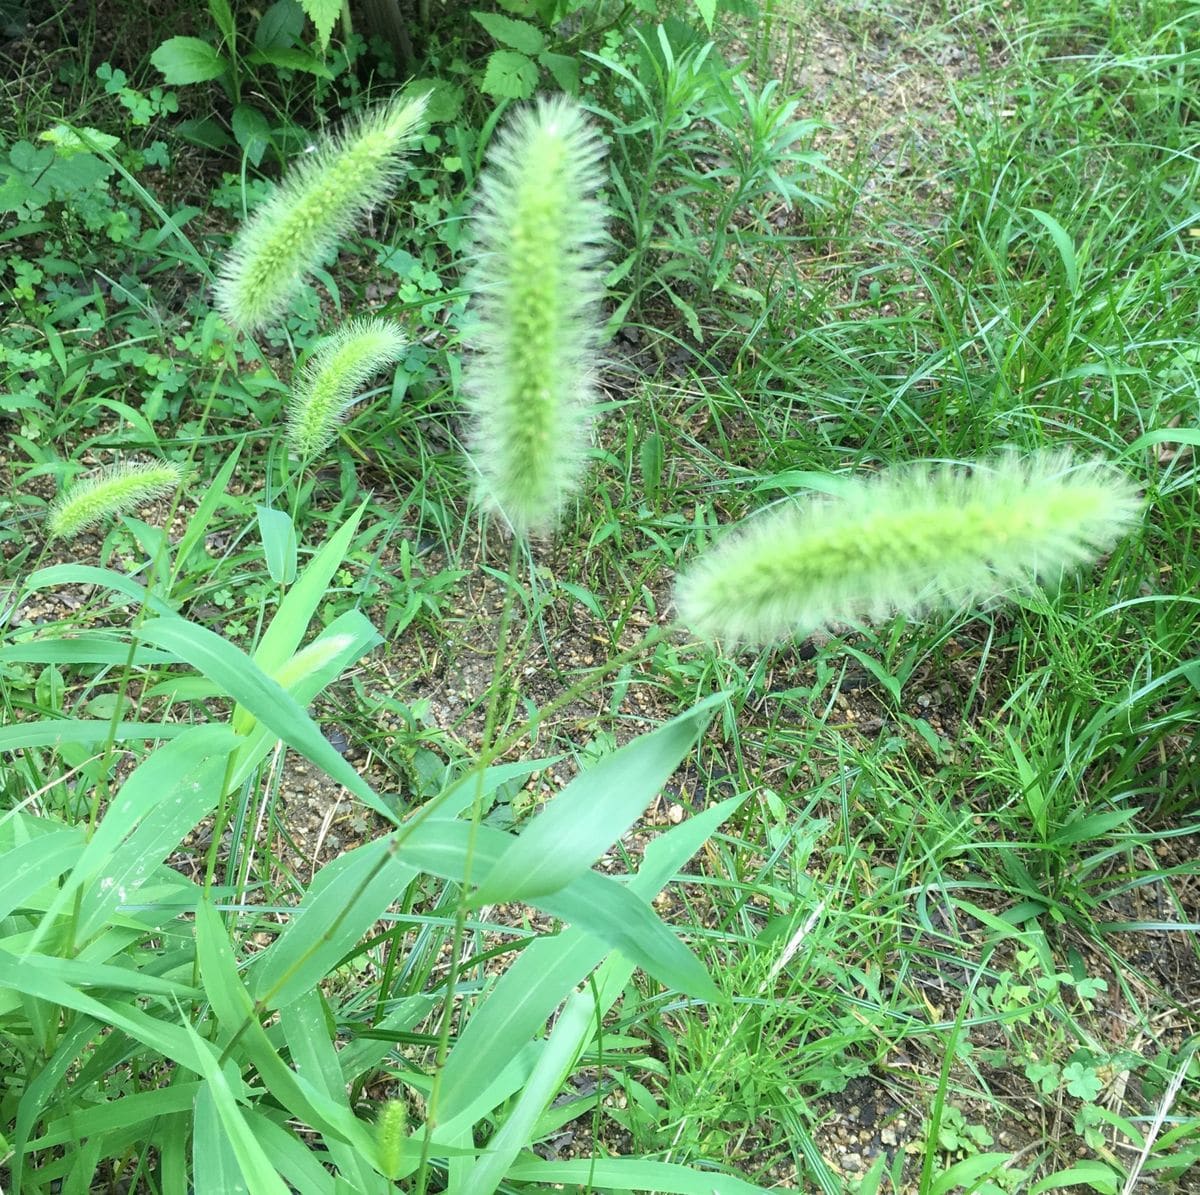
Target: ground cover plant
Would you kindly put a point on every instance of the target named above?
(415, 778)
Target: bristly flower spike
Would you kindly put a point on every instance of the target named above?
(317, 202)
(538, 237)
(112, 491)
(329, 383)
(905, 542)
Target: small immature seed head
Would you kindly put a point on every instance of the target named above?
(390, 1130)
(317, 202)
(907, 541)
(538, 231)
(110, 492)
(333, 376)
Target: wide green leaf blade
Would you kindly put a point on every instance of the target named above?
(83, 649)
(596, 903)
(162, 799)
(184, 763)
(307, 1035)
(184, 60)
(54, 732)
(59, 576)
(129, 1111)
(29, 866)
(575, 829)
(296, 611)
(554, 1064)
(631, 1174)
(234, 1009)
(214, 1164)
(198, 523)
(278, 534)
(309, 672)
(225, 1134)
(546, 972)
(31, 975)
(345, 899)
(265, 698)
(291, 1156)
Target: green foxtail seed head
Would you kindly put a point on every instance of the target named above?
(110, 492)
(538, 231)
(907, 541)
(337, 369)
(317, 202)
(390, 1130)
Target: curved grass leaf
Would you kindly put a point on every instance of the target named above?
(267, 700)
(596, 903)
(54, 732)
(235, 1011)
(631, 1174)
(575, 828)
(345, 899)
(547, 971)
(31, 865)
(555, 1061)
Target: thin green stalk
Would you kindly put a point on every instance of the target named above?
(460, 915)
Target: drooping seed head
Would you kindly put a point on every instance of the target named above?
(317, 202)
(907, 541)
(538, 234)
(328, 385)
(110, 492)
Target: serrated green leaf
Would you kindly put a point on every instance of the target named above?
(563, 68)
(323, 14)
(281, 25)
(508, 31)
(184, 60)
(67, 142)
(509, 76)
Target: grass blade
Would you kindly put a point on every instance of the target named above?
(575, 829)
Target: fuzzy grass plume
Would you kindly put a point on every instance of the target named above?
(109, 492)
(317, 202)
(538, 235)
(332, 378)
(907, 541)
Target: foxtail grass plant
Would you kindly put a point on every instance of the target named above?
(905, 542)
(535, 285)
(318, 201)
(329, 384)
(110, 492)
